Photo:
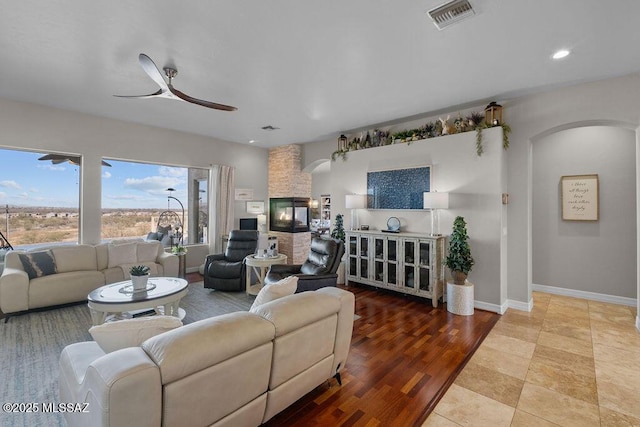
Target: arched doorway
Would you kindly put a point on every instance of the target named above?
(585, 258)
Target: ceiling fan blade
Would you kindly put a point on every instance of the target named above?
(74, 161)
(61, 158)
(158, 92)
(56, 159)
(197, 101)
(52, 157)
(151, 69)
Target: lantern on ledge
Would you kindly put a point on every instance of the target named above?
(342, 143)
(493, 114)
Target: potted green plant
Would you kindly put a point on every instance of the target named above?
(338, 229)
(460, 299)
(338, 234)
(139, 277)
(178, 250)
(459, 259)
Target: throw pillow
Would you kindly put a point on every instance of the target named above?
(282, 288)
(113, 336)
(165, 241)
(38, 264)
(163, 230)
(124, 253)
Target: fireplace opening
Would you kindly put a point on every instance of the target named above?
(289, 214)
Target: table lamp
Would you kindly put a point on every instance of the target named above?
(435, 201)
(355, 202)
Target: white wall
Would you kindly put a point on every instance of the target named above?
(476, 185)
(43, 129)
(614, 102)
(320, 184)
(591, 256)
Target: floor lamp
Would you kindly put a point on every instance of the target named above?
(180, 235)
(435, 201)
(355, 202)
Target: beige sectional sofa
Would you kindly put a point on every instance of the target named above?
(238, 369)
(73, 271)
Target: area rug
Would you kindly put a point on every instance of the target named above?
(30, 347)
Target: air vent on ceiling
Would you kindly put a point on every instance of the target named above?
(269, 127)
(450, 13)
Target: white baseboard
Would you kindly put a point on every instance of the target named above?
(520, 305)
(500, 309)
(612, 299)
(528, 306)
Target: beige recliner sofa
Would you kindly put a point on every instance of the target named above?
(238, 369)
(79, 269)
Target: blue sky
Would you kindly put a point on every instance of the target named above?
(27, 181)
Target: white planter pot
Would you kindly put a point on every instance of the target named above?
(139, 282)
(460, 298)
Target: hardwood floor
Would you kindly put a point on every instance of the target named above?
(404, 355)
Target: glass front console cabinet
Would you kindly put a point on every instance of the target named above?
(405, 262)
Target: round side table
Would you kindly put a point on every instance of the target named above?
(260, 266)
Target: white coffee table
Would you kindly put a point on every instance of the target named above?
(118, 301)
(260, 265)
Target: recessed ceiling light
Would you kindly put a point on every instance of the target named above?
(251, 141)
(562, 53)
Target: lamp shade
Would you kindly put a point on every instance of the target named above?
(435, 200)
(355, 201)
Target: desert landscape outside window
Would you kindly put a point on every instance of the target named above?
(39, 197)
(154, 201)
(40, 194)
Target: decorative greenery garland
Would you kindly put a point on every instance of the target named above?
(429, 130)
(506, 130)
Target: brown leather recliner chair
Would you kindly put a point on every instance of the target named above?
(227, 271)
(318, 271)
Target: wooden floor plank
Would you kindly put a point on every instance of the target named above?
(404, 355)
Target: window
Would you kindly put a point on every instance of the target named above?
(40, 197)
(157, 202)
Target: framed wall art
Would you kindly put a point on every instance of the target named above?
(580, 197)
(244, 194)
(398, 188)
(255, 207)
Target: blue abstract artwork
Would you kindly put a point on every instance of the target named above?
(398, 189)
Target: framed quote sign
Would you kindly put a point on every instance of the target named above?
(580, 197)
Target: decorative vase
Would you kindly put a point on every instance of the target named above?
(460, 299)
(139, 282)
(458, 277)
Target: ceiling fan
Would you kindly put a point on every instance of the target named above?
(61, 158)
(167, 90)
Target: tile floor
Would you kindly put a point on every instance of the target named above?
(569, 362)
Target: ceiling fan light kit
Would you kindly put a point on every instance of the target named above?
(167, 90)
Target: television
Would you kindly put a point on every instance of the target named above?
(248, 223)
